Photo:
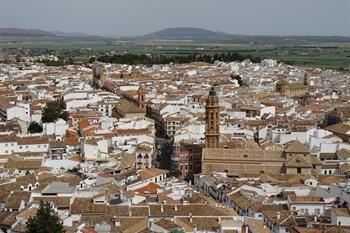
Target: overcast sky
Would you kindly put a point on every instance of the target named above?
(136, 17)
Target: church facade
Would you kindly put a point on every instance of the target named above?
(247, 157)
(292, 89)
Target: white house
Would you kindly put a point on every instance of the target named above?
(57, 128)
(306, 205)
(95, 148)
(10, 144)
(340, 217)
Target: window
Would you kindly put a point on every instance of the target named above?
(317, 211)
(299, 170)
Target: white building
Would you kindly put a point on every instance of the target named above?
(306, 205)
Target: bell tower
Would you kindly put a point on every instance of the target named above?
(141, 97)
(212, 119)
(306, 81)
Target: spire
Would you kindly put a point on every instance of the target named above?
(212, 91)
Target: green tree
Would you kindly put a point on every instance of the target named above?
(177, 231)
(73, 170)
(45, 221)
(177, 173)
(34, 127)
(238, 78)
(54, 110)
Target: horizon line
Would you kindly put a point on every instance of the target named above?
(187, 27)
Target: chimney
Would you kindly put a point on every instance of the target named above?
(278, 215)
(161, 208)
(116, 221)
(244, 228)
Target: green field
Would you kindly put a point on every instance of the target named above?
(326, 56)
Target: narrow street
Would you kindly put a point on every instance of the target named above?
(163, 154)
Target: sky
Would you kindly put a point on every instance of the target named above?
(138, 17)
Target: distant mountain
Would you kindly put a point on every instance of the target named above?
(181, 33)
(18, 35)
(199, 34)
(69, 34)
(186, 33)
(24, 32)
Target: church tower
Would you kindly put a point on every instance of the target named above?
(306, 81)
(212, 119)
(141, 97)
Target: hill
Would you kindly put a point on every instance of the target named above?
(180, 33)
(70, 34)
(24, 32)
(17, 34)
(198, 34)
(185, 33)
(22, 35)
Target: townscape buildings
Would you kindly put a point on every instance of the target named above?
(176, 147)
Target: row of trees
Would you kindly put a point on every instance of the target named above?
(60, 62)
(133, 59)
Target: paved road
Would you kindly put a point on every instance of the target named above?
(164, 148)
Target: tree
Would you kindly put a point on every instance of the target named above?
(45, 221)
(177, 173)
(73, 170)
(177, 231)
(54, 110)
(238, 78)
(34, 127)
